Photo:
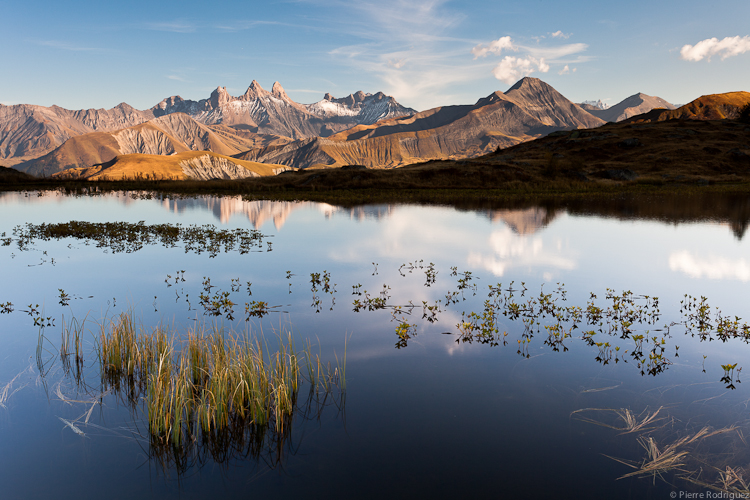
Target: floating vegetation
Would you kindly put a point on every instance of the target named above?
(8, 390)
(119, 237)
(707, 457)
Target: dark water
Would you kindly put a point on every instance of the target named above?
(426, 416)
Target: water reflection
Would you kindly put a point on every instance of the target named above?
(258, 212)
(523, 221)
(713, 267)
(434, 269)
(512, 250)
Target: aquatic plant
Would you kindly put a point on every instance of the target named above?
(128, 237)
(695, 457)
(209, 382)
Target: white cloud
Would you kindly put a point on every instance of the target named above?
(728, 47)
(398, 64)
(536, 58)
(495, 47)
(560, 34)
(511, 69)
(715, 268)
(555, 54)
(567, 70)
(177, 78)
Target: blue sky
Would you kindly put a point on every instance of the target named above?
(94, 54)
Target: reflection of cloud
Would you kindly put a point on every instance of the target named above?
(715, 268)
(511, 250)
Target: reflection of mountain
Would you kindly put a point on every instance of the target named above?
(258, 212)
(525, 221)
(376, 212)
(225, 207)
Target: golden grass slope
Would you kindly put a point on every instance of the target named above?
(143, 166)
(707, 107)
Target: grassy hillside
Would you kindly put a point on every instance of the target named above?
(139, 166)
(707, 107)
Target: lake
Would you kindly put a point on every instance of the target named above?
(490, 351)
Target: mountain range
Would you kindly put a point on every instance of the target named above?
(268, 127)
(529, 109)
(258, 117)
(631, 106)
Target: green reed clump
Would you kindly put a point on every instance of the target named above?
(211, 381)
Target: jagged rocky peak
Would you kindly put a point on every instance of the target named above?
(254, 91)
(328, 97)
(219, 97)
(170, 102)
(278, 91)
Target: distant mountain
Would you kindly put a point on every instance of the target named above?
(365, 109)
(631, 106)
(166, 135)
(707, 107)
(589, 105)
(529, 109)
(275, 113)
(28, 132)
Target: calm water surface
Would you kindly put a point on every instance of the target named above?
(426, 416)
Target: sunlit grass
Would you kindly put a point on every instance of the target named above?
(211, 380)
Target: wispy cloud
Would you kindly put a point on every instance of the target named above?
(175, 26)
(177, 78)
(56, 44)
(408, 46)
(706, 49)
(242, 25)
